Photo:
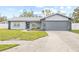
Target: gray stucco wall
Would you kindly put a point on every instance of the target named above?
(35, 25)
(56, 22)
(56, 18)
(22, 25)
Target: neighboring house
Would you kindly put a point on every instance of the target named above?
(52, 22)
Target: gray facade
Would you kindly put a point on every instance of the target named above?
(57, 22)
(57, 25)
(54, 22)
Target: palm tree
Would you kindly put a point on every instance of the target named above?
(26, 13)
(60, 12)
(47, 12)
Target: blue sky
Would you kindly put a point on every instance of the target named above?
(11, 11)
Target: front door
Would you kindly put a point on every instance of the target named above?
(27, 25)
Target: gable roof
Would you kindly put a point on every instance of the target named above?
(35, 18)
(59, 15)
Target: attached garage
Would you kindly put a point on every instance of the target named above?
(57, 25)
(57, 22)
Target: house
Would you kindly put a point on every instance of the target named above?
(52, 22)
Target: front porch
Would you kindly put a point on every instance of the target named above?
(24, 25)
(33, 25)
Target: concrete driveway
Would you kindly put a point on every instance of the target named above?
(56, 41)
(63, 41)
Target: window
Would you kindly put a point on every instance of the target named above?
(36, 25)
(16, 24)
(33, 25)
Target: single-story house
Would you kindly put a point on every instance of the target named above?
(52, 22)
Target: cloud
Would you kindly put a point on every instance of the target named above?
(39, 6)
(69, 7)
(62, 12)
(61, 7)
(38, 12)
(11, 9)
(20, 11)
(53, 10)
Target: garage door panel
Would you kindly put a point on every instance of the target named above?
(56, 25)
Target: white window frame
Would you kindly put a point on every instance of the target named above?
(16, 24)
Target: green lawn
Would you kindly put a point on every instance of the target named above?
(75, 31)
(6, 34)
(7, 46)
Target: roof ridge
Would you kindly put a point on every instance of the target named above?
(58, 14)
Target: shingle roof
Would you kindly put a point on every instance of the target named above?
(58, 14)
(33, 18)
(25, 19)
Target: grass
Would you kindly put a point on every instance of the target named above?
(6, 34)
(75, 31)
(32, 35)
(7, 46)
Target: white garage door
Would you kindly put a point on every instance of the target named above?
(57, 25)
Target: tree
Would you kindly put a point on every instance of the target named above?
(47, 12)
(26, 13)
(3, 18)
(75, 15)
(61, 12)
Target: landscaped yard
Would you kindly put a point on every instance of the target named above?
(75, 31)
(6, 34)
(7, 46)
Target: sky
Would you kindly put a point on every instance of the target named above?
(11, 11)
